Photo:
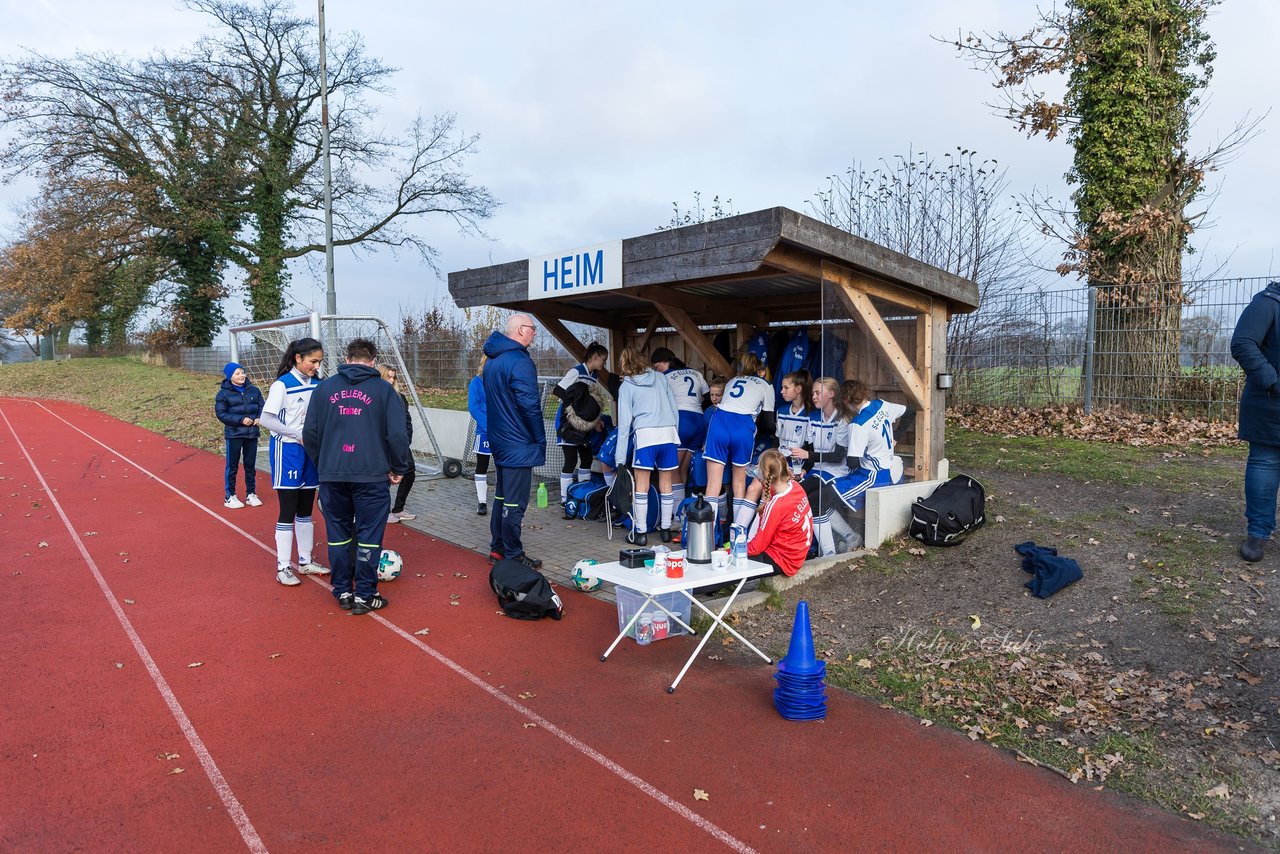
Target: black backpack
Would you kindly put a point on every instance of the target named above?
(954, 510)
(523, 592)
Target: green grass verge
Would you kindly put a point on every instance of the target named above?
(1092, 462)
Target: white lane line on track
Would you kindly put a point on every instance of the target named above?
(220, 784)
(667, 801)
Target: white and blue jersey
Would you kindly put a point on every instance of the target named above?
(287, 402)
(871, 440)
(731, 435)
(689, 387)
(824, 437)
(577, 374)
(792, 427)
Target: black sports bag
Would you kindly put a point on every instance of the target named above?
(954, 510)
(523, 592)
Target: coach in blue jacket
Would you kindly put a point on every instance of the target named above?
(355, 432)
(517, 433)
(1256, 346)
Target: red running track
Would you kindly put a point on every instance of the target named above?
(306, 728)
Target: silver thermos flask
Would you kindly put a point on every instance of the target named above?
(699, 542)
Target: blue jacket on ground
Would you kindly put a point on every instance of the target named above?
(1050, 572)
(235, 403)
(1256, 346)
(355, 428)
(644, 400)
(476, 405)
(513, 409)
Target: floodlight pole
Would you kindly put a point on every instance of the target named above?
(330, 295)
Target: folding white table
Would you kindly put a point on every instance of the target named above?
(695, 575)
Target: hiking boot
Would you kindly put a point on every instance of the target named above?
(286, 577)
(531, 562)
(233, 503)
(346, 601)
(1251, 549)
(482, 509)
(312, 568)
(637, 538)
(253, 500)
(363, 606)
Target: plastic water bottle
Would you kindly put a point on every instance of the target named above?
(740, 550)
(542, 494)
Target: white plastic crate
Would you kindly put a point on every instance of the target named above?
(629, 601)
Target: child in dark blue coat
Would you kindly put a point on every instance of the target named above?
(238, 405)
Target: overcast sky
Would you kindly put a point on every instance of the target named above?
(594, 118)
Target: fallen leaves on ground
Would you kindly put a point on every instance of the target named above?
(423, 632)
(1109, 424)
(699, 795)
(196, 664)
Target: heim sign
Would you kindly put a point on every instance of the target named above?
(576, 271)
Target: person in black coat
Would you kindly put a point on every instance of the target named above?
(398, 513)
(1256, 346)
(238, 405)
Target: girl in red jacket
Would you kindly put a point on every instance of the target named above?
(786, 522)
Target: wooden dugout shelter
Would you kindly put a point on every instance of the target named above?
(767, 270)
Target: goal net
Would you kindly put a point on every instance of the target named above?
(260, 348)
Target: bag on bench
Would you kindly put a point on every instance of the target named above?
(954, 510)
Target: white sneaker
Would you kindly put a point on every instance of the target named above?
(233, 502)
(406, 516)
(253, 500)
(286, 577)
(392, 518)
(312, 568)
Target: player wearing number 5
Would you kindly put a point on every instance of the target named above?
(747, 403)
(293, 476)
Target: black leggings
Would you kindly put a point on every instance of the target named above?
(294, 503)
(575, 456)
(482, 463)
(402, 489)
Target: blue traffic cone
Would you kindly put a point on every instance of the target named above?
(800, 658)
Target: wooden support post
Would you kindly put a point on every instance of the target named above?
(938, 408)
(859, 305)
(562, 334)
(924, 462)
(643, 344)
(689, 331)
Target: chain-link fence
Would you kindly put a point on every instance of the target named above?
(1163, 348)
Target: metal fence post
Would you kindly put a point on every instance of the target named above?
(1091, 325)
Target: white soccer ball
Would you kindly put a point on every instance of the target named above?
(583, 577)
(389, 565)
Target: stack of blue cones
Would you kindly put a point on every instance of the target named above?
(801, 692)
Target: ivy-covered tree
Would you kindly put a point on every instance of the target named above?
(1134, 72)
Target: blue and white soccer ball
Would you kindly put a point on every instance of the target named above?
(389, 565)
(583, 577)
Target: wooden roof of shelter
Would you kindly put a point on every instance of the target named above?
(759, 268)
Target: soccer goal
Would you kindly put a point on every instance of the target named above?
(260, 347)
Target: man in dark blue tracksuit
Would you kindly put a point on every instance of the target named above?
(517, 433)
(355, 433)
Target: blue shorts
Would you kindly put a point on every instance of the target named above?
(482, 443)
(692, 434)
(731, 437)
(661, 457)
(852, 488)
(291, 468)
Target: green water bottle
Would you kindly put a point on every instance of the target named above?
(542, 494)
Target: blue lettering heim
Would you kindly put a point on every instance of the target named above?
(549, 274)
(566, 272)
(591, 274)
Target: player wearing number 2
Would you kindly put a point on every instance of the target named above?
(692, 396)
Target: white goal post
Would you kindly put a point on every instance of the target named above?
(259, 347)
